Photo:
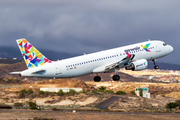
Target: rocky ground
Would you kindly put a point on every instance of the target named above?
(156, 89)
(135, 103)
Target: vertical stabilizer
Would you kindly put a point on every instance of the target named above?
(32, 57)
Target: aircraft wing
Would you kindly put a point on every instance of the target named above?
(119, 64)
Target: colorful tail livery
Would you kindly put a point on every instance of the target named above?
(33, 58)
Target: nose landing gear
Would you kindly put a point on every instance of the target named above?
(155, 66)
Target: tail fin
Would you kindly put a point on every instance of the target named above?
(33, 58)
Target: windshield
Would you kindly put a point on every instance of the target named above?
(164, 44)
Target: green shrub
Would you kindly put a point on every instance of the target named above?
(5, 79)
(22, 93)
(41, 92)
(102, 88)
(32, 105)
(120, 93)
(95, 91)
(108, 91)
(177, 102)
(46, 92)
(30, 91)
(71, 92)
(18, 105)
(133, 93)
(60, 92)
(83, 92)
(171, 105)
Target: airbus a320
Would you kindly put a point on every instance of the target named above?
(132, 57)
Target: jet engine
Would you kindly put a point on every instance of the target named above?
(137, 65)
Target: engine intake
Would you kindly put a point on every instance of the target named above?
(137, 65)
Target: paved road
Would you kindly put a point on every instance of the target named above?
(104, 105)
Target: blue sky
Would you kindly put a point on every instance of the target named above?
(81, 26)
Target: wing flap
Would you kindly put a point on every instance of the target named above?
(111, 66)
(120, 63)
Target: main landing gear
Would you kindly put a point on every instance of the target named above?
(115, 77)
(97, 78)
(155, 66)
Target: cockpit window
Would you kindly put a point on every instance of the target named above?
(164, 44)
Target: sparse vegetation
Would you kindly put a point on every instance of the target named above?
(32, 105)
(60, 93)
(83, 92)
(120, 93)
(71, 92)
(177, 102)
(171, 105)
(46, 92)
(102, 88)
(16, 105)
(41, 92)
(108, 91)
(30, 91)
(133, 93)
(22, 93)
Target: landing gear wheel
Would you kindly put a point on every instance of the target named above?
(116, 77)
(97, 78)
(156, 67)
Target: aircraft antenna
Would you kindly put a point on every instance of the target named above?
(149, 39)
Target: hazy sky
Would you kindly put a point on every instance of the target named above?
(86, 26)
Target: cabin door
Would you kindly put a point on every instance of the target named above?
(58, 70)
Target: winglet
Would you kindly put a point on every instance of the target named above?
(32, 57)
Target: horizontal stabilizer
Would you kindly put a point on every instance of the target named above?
(14, 73)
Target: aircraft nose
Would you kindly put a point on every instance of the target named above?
(171, 48)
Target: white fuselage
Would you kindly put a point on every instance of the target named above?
(88, 63)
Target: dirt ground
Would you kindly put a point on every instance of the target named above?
(59, 115)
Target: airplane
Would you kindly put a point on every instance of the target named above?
(133, 57)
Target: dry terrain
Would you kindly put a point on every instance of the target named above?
(161, 94)
(27, 115)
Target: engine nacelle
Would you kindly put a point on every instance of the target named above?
(137, 65)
